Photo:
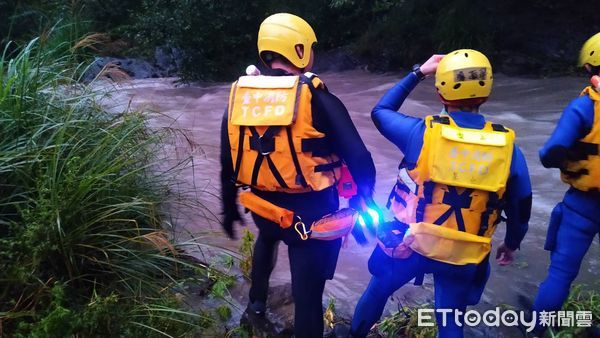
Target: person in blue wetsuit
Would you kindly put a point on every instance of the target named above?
(458, 174)
(573, 147)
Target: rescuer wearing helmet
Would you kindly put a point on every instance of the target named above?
(285, 137)
(458, 174)
(574, 148)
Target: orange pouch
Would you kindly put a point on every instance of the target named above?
(266, 209)
(335, 225)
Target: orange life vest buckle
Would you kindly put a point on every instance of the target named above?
(260, 145)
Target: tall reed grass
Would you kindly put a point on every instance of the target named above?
(84, 243)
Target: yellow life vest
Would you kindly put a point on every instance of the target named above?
(583, 171)
(457, 185)
(274, 144)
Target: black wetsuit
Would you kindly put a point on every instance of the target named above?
(312, 262)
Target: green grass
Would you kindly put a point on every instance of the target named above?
(403, 323)
(246, 252)
(85, 247)
(582, 298)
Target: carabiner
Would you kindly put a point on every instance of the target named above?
(303, 234)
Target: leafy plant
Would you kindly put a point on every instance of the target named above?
(581, 298)
(85, 248)
(247, 251)
(404, 323)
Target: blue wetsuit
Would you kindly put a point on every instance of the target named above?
(574, 222)
(455, 286)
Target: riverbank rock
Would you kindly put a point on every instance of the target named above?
(165, 63)
(279, 318)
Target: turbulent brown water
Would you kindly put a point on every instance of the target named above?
(530, 106)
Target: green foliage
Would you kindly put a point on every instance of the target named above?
(84, 194)
(246, 250)
(581, 298)
(223, 312)
(214, 36)
(217, 39)
(404, 323)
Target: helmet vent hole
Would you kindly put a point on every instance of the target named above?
(466, 55)
(482, 83)
(456, 86)
(592, 53)
(443, 83)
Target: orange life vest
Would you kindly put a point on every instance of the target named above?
(583, 171)
(274, 144)
(459, 179)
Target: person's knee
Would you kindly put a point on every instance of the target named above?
(380, 287)
(563, 269)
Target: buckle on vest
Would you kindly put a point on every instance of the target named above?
(261, 144)
(264, 145)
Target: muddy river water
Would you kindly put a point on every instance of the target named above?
(530, 106)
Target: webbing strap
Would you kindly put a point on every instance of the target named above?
(263, 153)
(394, 195)
(499, 127)
(426, 199)
(582, 150)
(457, 202)
(439, 119)
(299, 176)
(256, 169)
(238, 160)
(493, 204)
(327, 167)
(575, 174)
(319, 147)
(275, 172)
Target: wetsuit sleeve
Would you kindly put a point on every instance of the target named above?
(393, 125)
(518, 201)
(345, 140)
(228, 188)
(575, 122)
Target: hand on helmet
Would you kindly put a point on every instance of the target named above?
(430, 66)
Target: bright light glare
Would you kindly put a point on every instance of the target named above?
(374, 215)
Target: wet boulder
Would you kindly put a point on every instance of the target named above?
(167, 60)
(133, 67)
(279, 318)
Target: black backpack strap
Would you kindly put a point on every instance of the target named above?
(238, 160)
(582, 150)
(439, 119)
(499, 127)
(264, 145)
(494, 204)
(299, 175)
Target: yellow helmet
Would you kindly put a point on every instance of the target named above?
(590, 52)
(281, 33)
(464, 74)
